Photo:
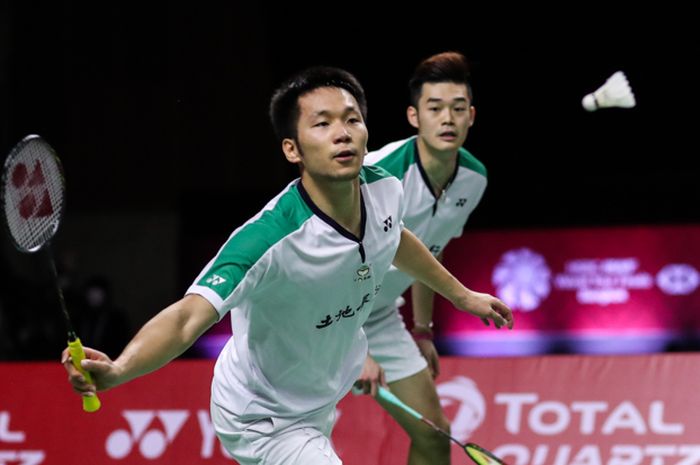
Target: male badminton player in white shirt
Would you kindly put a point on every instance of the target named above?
(442, 183)
(299, 279)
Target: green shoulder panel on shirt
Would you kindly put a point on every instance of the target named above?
(246, 247)
(467, 160)
(400, 160)
(372, 173)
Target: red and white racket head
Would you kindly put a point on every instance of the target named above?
(33, 190)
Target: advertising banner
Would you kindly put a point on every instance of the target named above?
(588, 290)
(555, 410)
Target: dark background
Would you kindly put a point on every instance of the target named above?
(159, 114)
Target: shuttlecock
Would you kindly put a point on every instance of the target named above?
(616, 92)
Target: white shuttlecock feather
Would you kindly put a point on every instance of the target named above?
(616, 92)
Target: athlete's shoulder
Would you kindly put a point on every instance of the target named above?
(373, 173)
(469, 161)
(249, 244)
(395, 157)
(379, 184)
(285, 214)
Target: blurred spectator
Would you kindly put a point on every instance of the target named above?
(98, 321)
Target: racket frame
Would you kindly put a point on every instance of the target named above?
(75, 347)
(9, 162)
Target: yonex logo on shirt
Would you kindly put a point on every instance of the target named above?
(215, 280)
(461, 202)
(387, 224)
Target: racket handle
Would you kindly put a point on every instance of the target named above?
(90, 403)
(387, 396)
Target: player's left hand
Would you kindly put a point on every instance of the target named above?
(371, 378)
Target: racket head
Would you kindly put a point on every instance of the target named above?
(482, 456)
(32, 191)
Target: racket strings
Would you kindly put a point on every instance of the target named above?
(33, 195)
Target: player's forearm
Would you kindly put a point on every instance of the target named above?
(413, 258)
(422, 302)
(164, 337)
(423, 298)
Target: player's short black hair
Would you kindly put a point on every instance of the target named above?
(443, 67)
(284, 105)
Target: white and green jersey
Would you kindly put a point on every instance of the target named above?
(299, 288)
(435, 220)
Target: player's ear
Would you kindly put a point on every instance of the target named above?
(291, 151)
(412, 115)
(472, 115)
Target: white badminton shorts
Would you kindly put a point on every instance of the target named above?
(277, 441)
(391, 345)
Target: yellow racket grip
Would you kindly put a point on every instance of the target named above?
(90, 403)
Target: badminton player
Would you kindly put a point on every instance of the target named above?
(299, 279)
(443, 184)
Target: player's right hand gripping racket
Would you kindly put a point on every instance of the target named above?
(32, 194)
(477, 453)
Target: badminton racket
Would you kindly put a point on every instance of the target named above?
(477, 453)
(33, 197)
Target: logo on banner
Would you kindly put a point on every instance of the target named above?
(14, 456)
(153, 439)
(151, 442)
(521, 279)
(561, 422)
(603, 281)
(462, 392)
(678, 279)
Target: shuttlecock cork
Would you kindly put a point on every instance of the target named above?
(616, 92)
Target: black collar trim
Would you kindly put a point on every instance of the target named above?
(330, 221)
(424, 174)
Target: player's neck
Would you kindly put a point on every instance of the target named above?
(439, 166)
(339, 200)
